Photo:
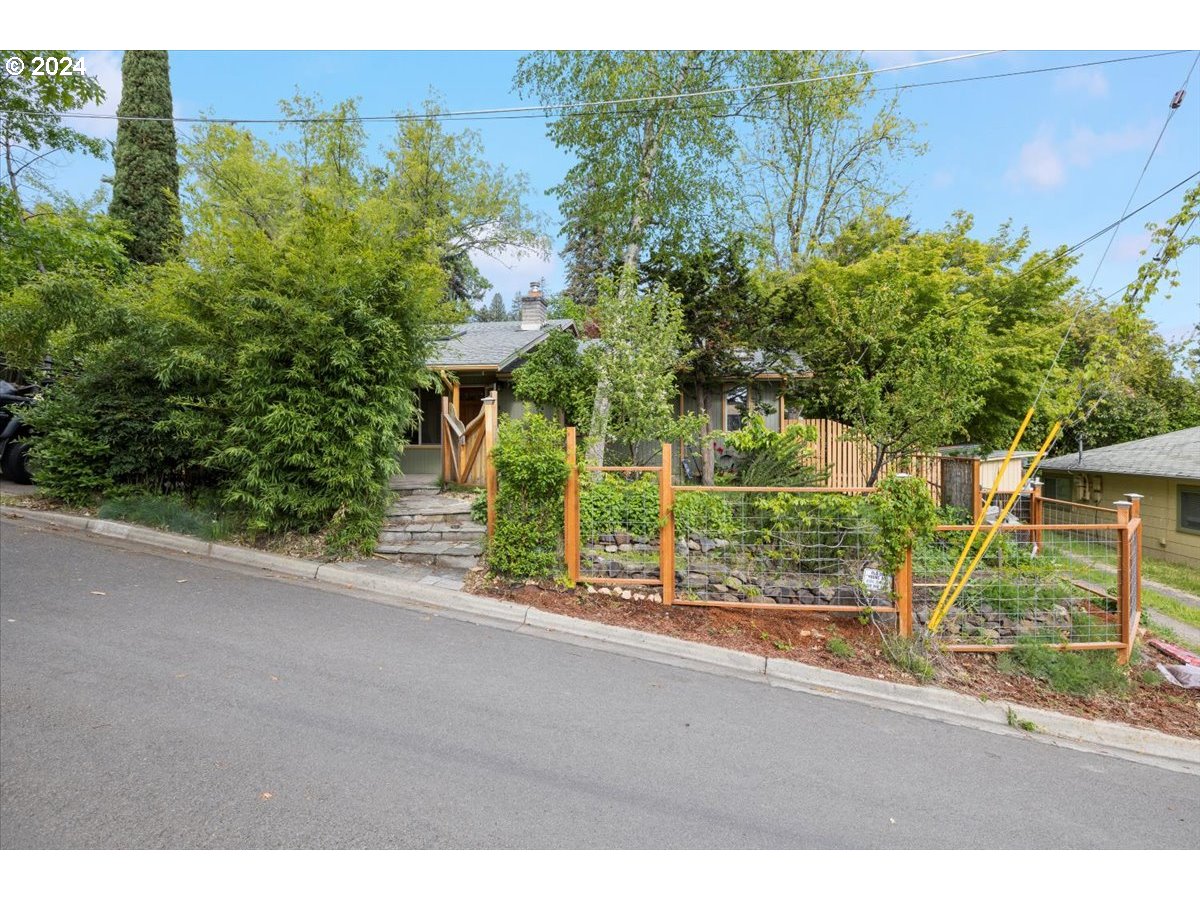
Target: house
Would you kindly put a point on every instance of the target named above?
(476, 359)
(1165, 470)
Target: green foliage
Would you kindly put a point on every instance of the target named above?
(1079, 674)
(557, 374)
(531, 469)
(1015, 721)
(641, 347)
(277, 363)
(615, 504)
(839, 648)
(199, 516)
(912, 342)
(770, 458)
(909, 655)
(146, 165)
(816, 153)
(479, 508)
(903, 514)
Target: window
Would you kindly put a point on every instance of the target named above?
(1058, 488)
(1189, 508)
(429, 430)
(736, 407)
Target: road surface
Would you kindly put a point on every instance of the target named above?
(156, 701)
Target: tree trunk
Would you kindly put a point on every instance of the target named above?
(708, 457)
(880, 456)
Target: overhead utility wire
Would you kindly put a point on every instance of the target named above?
(545, 107)
(542, 112)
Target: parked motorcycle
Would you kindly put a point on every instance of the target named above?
(14, 448)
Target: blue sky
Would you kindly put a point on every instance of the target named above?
(1057, 152)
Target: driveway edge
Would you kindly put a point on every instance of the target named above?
(940, 704)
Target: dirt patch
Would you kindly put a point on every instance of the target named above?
(805, 637)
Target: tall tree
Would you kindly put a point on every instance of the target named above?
(496, 311)
(146, 178)
(815, 155)
(659, 163)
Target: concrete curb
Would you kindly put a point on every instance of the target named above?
(1111, 738)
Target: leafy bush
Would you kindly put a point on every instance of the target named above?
(531, 470)
(769, 458)
(618, 504)
(902, 513)
(479, 508)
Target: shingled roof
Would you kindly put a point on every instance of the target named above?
(498, 345)
(1172, 455)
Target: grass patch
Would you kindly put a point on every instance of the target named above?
(909, 655)
(1171, 608)
(1172, 574)
(1081, 674)
(172, 513)
(839, 648)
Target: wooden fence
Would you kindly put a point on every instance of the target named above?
(466, 449)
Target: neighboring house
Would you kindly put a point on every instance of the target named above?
(990, 465)
(1165, 470)
(476, 359)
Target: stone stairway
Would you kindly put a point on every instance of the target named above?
(428, 528)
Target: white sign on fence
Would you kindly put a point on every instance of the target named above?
(875, 581)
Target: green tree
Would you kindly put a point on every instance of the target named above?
(496, 311)
(931, 338)
(641, 348)
(558, 374)
(659, 164)
(816, 154)
(30, 127)
(723, 317)
(146, 171)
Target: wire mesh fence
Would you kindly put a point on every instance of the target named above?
(619, 525)
(799, 547)
(1057, 583)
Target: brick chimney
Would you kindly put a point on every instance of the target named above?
(533, 308)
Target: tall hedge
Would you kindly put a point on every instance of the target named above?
(146, 177)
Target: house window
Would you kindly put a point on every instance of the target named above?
(1057, 488)
(1189, 508)
(737, 401)
(428, 431)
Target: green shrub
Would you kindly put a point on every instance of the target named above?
(615, 504)
(901, 513)
(769, 458)
(839, 647)
(479, 508)
(531, 470)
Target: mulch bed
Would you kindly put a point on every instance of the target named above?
(803, 636)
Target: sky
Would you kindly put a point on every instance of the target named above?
(1056, 152)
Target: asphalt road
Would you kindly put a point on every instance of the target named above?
(154, 701)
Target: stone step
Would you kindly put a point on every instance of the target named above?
(450, 520)
(437, 554)
(437, 504)
(432, 531)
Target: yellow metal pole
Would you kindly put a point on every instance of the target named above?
(982, 512)
(940, 613)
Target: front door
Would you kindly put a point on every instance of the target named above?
(470, 403)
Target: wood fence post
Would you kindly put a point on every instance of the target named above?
(904, 596)
(976, 490)
(1135, 561)
(490, 420)
(1035, 514)
(666, 531)
(571, 511)
(1123, 598)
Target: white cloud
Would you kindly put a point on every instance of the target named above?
(104, 65)
(1039, 164)
(1091, 82)
(1044, 161)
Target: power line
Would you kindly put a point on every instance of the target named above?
(1115, 227)
(546, 107)
(500, 115)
